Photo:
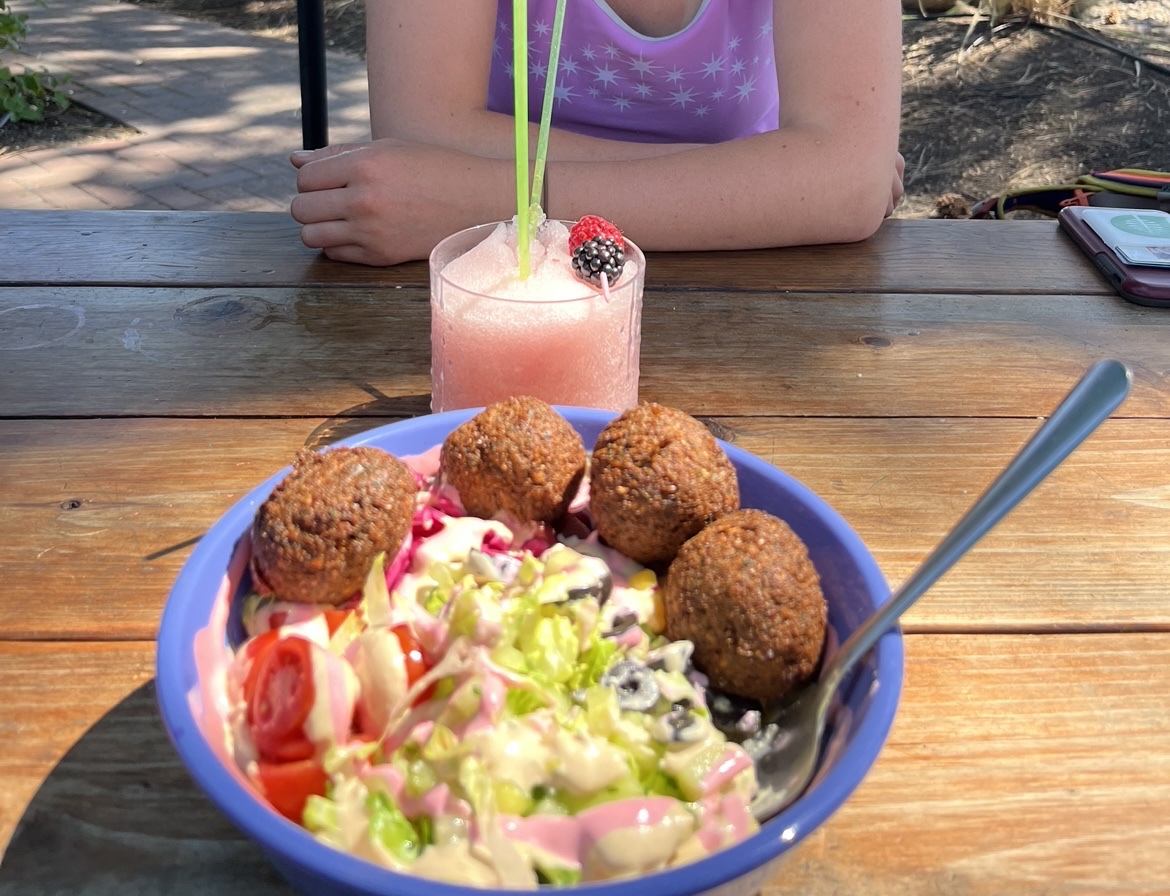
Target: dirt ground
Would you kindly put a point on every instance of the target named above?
(984, 108)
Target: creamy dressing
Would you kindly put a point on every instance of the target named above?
(585, 764)
(733, 762)
(633, 837)
(335, 693)
(449, 547)
(295, 618)
(377, 660)
(726, 819)
(457, 863)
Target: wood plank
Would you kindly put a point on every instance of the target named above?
(97, 517)
(53, 696)
(1022, 765)
(1087, 550)
(196, 352)
(254, 249)
(115, 508)
(1016, 764)
(150, 248)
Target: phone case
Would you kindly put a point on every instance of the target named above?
(1141, 285)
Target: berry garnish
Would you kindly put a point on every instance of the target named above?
(597, 248)
(593, 226)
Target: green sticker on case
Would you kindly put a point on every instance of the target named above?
(1155, 226)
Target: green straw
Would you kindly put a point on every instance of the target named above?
(550, 84)
(520, 116)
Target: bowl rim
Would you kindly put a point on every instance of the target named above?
(187, 610)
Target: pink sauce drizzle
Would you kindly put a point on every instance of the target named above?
(491, 704)
(208, 699)
(571, 838)
(341, 698)
(435, 802)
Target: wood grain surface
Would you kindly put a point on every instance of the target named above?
(259, 352)
(157, 367)
(255, 249)
(1016, 764)
(97, 516)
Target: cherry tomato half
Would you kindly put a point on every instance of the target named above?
(253, 650)
(414, 660)
(335, 619)
(288, 785)
(283, 693)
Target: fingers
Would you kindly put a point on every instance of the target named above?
(331, 170)
(327, 234)
(354, 255)
(341, 241)
(330, 173)
(303, 156)
(323, 205)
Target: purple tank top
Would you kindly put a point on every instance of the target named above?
(713, 81)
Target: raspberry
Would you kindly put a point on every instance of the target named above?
(592, 226)
(597, 248)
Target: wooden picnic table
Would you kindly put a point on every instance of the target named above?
(156, 366)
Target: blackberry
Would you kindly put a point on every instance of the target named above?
(597, 256)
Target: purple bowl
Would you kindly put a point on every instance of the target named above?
(853, 586)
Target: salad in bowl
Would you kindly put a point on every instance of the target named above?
(502, 701)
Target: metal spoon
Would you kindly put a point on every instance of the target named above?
(786, 750)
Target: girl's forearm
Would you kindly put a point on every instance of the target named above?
(773, 189)
(491, 135)
(788, 187)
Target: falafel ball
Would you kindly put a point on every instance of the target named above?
(517, 456)
(315, 537)
(746, 594)
(657, 477)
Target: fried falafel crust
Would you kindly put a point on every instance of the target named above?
(314, 539)
(518, 457)
(746, 594)
(658, 476)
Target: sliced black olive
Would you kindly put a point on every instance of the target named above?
(623, 621)
(600, 589)
(681, 725)
(636, 688)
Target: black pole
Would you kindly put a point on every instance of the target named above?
(314, 104)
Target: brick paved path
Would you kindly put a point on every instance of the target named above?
(217, 111)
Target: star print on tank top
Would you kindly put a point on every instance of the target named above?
(713, 81)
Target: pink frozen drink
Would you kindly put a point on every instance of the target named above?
(552, 335)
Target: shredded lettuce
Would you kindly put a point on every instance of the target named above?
(375, 603)
(392, 829)
(593, 661)
(521, 702)
(557, 876)
(320, 815)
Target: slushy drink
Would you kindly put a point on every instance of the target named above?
(552, 335)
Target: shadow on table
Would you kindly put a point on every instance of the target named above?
(380, 410)
(119, 814)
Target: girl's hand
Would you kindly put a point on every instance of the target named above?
(391, 201)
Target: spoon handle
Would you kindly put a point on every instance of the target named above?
(1099, 393)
